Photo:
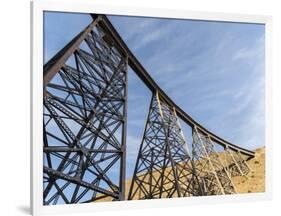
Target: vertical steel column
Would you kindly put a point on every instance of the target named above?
(122, 180)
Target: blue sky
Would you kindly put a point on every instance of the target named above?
(213, 70)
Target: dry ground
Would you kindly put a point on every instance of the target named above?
(254, 182)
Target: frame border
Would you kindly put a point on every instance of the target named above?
(36, 109)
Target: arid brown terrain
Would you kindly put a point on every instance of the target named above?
(254, 182)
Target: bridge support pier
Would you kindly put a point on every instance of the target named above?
(85, 118)
(236, 164)
(163, 167)
(210, 169)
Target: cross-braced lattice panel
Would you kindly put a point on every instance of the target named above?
(163, 167)
(243, 162)
(84, 117)
(214, 177)
(186, 179)
(236, 163)
(232, 165)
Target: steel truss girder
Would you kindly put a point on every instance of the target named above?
(85, 117)
(164, 167)
(137, 67)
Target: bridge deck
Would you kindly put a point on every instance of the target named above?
(153, 86)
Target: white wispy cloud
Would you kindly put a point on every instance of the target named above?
(133, 144)
(250, 51)
(150, 36)
(244, 53)
(209, 70)
(133, 26)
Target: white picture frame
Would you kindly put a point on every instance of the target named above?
(87, 6)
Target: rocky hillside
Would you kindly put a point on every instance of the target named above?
(255, 180)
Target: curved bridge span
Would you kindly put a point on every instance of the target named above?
(85, 100)
(153, 86)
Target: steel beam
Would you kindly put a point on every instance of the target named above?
(85, 112)
(163, 168)
(153, 86)
(52, 67)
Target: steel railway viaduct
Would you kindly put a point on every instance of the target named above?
(85, 121)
